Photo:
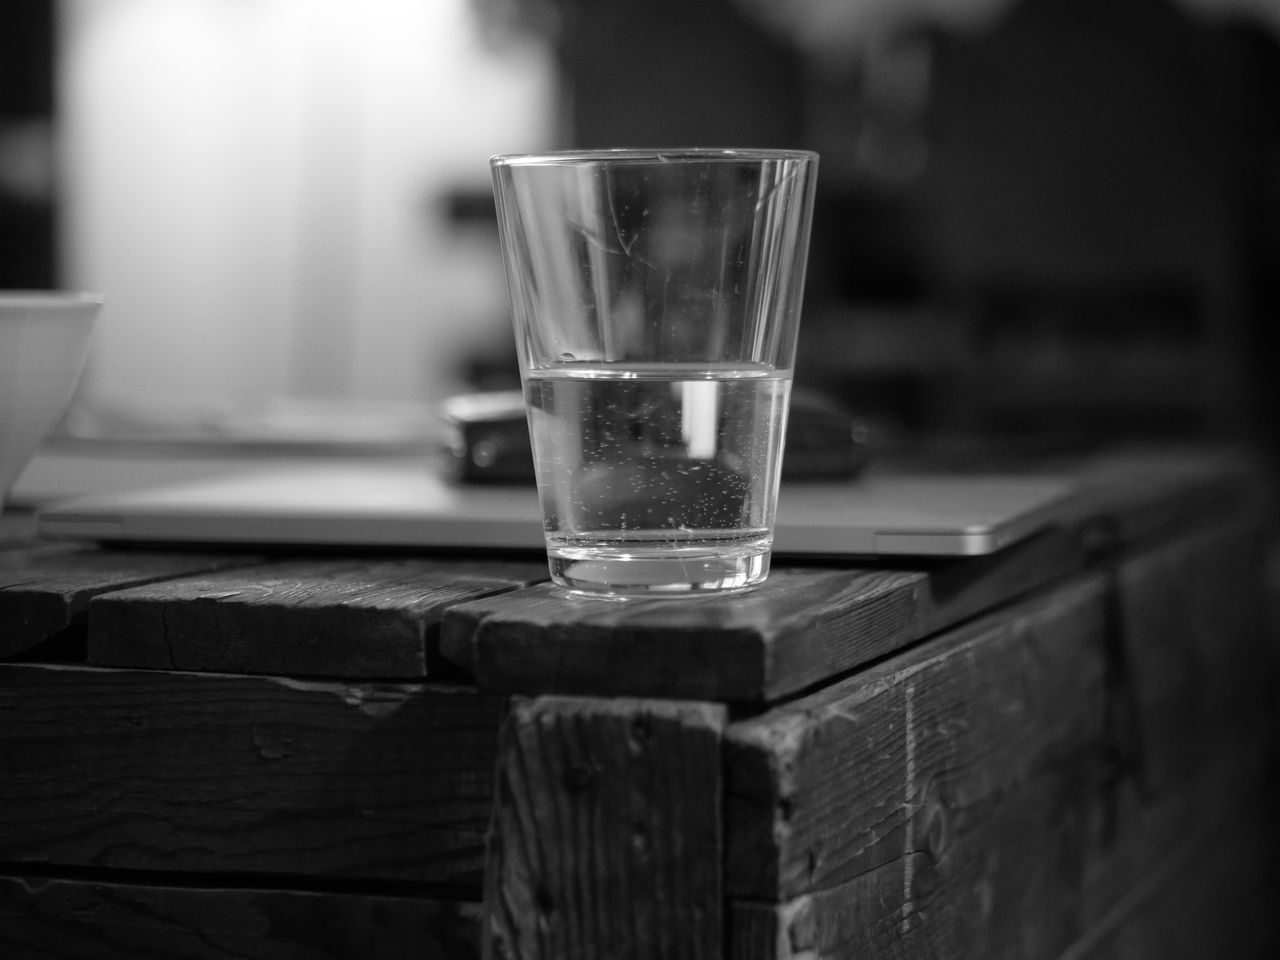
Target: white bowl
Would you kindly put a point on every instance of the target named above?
(44, 342)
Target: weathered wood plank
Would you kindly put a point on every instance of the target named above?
(348, 618)
(151, 770)
(606, 840)
(45, 590)
(808, 625)
(542, 640)
(1193, 603)
(1011, 905)
(899, 757)
(962, 902)
(804, 625)
(128, 921)
(1060, 750)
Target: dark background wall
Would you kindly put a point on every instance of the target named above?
(1085, 247)
(1065, 223)
(27, 212)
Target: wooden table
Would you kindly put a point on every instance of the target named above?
(1063, 750)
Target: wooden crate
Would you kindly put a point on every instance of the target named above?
(1063, 750)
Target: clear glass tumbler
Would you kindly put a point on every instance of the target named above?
(656, 299)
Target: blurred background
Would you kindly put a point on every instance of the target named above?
(1039, 220)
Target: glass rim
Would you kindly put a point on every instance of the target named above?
(649, 155)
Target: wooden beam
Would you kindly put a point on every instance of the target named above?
(804, 626)
(45, 590)
(347, 618)
(122, 920)
(901, 760)
(809, 625)
(607, 834)
(153, 770)
(1000, 789)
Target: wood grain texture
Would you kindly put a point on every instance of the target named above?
(150, 770)
(808, 625)
(45, 590)
(1061, 751)
(803, 626)
(1215, 884)
(606, 839)
(344, 618)
(894, 762)
(56, 918)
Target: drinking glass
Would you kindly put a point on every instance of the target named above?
(656, 299)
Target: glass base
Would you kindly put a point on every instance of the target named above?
(654, 571)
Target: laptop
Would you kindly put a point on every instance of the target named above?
(409, 503)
